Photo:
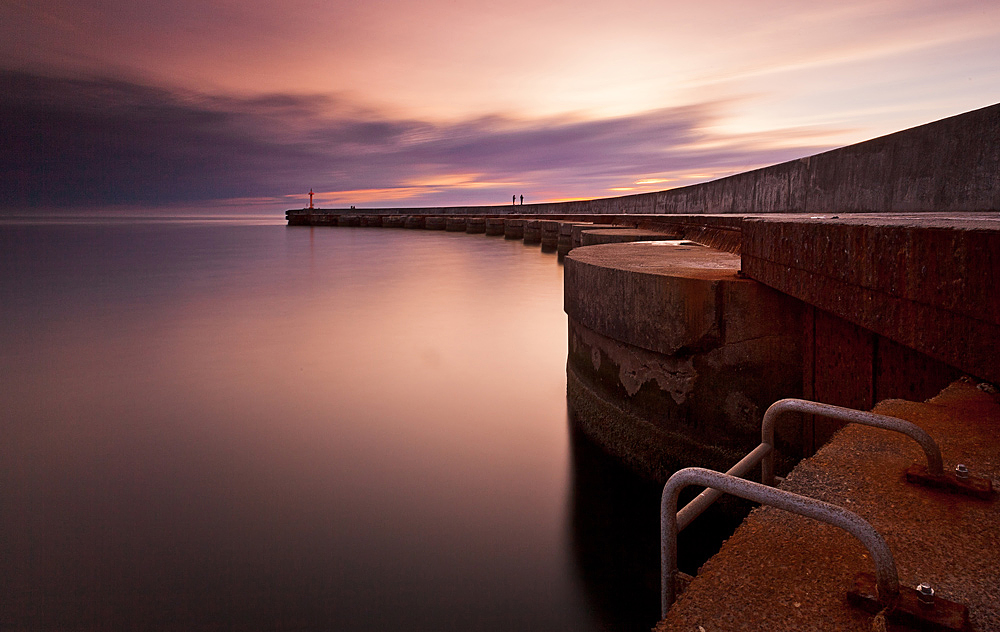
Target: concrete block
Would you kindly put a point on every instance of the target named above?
(513, 228)
(494, 226)
(596, 236)
(925, 282)
(475, 225)
(672, 335)
(532, 232)
(455, 224)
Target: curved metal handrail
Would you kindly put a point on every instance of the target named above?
(886, 577)
(935, 467)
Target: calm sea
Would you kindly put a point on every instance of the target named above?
(234, 424)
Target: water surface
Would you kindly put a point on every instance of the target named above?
(243, 425)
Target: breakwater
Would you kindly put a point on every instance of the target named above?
(834, 304)
(852, 277)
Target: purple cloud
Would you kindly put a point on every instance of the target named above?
(89, 142)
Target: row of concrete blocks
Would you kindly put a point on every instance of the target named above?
(553, 235)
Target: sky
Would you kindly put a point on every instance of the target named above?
(249, 104)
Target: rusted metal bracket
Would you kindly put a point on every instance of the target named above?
(911, 608)
(950, 482)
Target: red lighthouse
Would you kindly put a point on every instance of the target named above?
(310, 198)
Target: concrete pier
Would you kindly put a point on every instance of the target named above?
(455, 224)
(780, 571)
(494, 226)
(620, 236)
(674, 357)
(549, 235)
(532, 232)
(513, 228)
(475, 225)
(852, 277)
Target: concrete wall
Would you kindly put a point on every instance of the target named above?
(926, 283)
(947, 165)
(673, 357)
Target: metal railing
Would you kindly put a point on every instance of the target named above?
(764, 453)
(886, 577)
(935, 466)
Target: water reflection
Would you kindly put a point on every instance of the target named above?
(257, 427)
(615, 537)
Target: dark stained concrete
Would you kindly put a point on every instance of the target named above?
(928, 283)
(673, 356)
(947, 165)
(620, 236)
(784, 572)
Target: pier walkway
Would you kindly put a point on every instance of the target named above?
(781, 571)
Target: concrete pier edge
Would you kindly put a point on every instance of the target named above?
(861, 275)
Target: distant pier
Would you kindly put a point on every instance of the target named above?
(859, 277)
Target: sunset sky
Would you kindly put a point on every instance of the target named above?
(250, 103)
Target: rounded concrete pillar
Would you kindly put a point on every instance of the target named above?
(577, 231)
(414, 221)
(435, 222)
(513, 228)
(455, 224)
(475, 225)
(532, 232)
(494, 226)
(565, 241)
(673, 357)
(549, 235)
(620, 235)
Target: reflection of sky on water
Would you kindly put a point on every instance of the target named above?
(353, 428)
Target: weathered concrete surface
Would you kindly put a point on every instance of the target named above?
(576, 232)
(847, 365)
(564, 242)
(513, 228)
(475, 225)
(669, 334)
(532, 232)
(494, 226)
(455, 224)
(947, 165)
(925, 282)
(549, 235)
(785, 572)
(620, 236)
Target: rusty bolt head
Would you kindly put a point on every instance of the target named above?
(926, 594)
(961, 471)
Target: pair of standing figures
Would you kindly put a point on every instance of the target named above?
(513, 200)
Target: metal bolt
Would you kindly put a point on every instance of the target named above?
(961, 471)
(925, 594)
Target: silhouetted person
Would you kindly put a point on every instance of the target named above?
(522, 200)
(513, 199)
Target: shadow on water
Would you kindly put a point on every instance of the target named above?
(615, 536)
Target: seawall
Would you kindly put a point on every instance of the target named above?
(847, 307)
(949, 165)
(856, 276)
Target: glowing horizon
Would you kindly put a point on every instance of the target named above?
(383, 102)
